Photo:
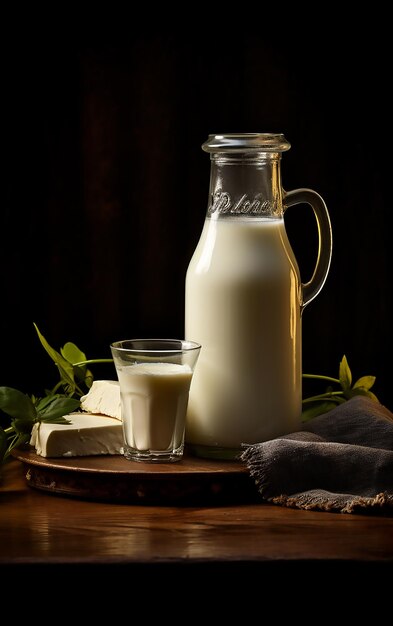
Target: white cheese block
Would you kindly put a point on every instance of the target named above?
(103, 397)
(86, 435)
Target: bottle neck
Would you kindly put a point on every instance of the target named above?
(245, 185)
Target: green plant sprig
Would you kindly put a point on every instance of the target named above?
(25, 412)
(323, 402)
(64, 398)
(75, 377)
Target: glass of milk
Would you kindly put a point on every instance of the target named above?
(155, 377)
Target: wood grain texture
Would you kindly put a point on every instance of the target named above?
(39, 528)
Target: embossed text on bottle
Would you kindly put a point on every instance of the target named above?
(221, 202)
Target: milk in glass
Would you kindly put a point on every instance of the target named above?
(154, 400)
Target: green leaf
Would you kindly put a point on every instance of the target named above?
(42, 403)
(59, 407)
(58, 420)
(318, 408)
(89, 379)
(22, 426)
(345, 374)
(17, 404)
(66, 369)
(360, 391)
(72, 354)
(366, 382)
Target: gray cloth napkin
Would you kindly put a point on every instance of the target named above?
(340, 461)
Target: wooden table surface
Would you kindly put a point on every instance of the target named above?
(39, 529)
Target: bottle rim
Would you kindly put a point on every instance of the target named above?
(246, 142)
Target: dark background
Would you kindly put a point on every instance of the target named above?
(106, 186)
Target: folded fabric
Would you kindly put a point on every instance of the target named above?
(340, 461)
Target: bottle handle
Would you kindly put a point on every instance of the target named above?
(325, 239)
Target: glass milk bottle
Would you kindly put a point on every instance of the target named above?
(244, 299)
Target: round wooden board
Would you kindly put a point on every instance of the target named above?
(114, 478)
